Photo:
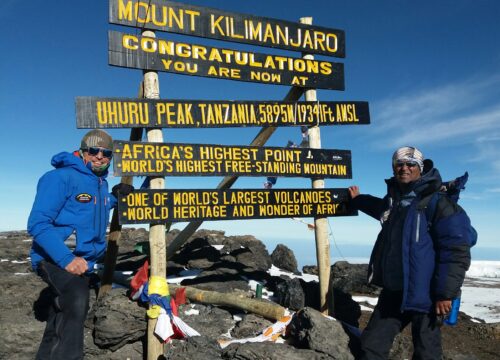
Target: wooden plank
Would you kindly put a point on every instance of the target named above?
(212, 23)
(142, 52)
(98, 112)
(161, 206)
(179, 159)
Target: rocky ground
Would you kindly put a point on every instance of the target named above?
(116, 326)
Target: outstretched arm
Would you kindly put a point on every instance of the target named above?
(370, 205)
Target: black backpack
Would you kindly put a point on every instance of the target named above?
(450, 189)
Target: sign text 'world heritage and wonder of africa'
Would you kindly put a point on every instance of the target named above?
(159, 206)
(211, 23)
(95, 112)
(176, 159)
(148, 53)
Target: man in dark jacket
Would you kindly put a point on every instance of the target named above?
(72, 199)
(420, 263)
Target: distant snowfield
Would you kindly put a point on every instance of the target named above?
(480, 293)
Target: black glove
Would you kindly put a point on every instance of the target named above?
(121, 189)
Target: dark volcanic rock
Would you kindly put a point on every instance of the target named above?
(197, 254)
(351, 278)
(253, 257)
(211, 322)
(311, 330)
(194, 348)
(247, 252)
(310, 269)
(24, 305)
(250, 326)
(221, 280)
(342, 307)
(270, 351)
(290, 294)
(284, 258)
(296, 293)
(118, 321)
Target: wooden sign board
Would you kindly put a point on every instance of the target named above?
(141, 52)
(159, 206)
(210, 23)
(95, 112)
(175, 159)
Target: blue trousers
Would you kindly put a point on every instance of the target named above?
(63, 336)
(387, 321)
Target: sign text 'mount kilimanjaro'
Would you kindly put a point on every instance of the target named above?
(216, 24)
(142, 52)
(95, 112)
(175, 159)
(157, 206)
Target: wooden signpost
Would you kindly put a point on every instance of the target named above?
(158, 206)
(161, 206)
(94, 112)
(148, 53)
(176, 17)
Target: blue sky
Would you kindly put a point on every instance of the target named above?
(429, 69)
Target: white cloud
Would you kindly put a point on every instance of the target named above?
(466, 109)
(460, 129)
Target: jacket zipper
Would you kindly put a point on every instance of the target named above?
(98, 212)
(417, 237)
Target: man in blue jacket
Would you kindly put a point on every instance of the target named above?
(420, 263)
(71, 199)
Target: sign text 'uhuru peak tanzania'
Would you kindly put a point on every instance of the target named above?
(96, 112)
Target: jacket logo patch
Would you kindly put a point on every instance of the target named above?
(83, 198)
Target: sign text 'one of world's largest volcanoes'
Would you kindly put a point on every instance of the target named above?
(148, 53)
(175, 159)
(96, 112)
(157, 206)
(211, 23)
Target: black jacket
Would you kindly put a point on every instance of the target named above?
(433, 261)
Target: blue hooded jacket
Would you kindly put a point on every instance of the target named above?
(434, 258)
(70, 199)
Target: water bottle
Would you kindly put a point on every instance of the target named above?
(452, 317)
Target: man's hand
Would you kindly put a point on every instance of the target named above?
(353, 191)
(443, 307)
(78, 266)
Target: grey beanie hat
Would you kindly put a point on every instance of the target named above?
(97, 138)
(408, 153)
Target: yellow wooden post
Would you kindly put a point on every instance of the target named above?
(158, 255)
(320, 223)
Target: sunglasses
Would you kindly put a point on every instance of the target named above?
(95, 150)
(409, 164)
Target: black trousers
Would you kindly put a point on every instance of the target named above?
(387, 321)
(63, 336)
